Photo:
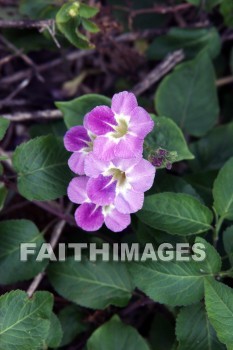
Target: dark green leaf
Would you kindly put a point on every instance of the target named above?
(72, 323)
(75, 110)
(167, 135)
(194, 331)
(12, 234)
(90, 26)
(55, 333)
(192, 41)
(86, 11)
(226, 9)
(116, 335)
(175, 282)
(92, 284)
(213, 150)
(41, 164)
(207, 4)
(3, 194)
(223, 191)
(4, 124)
(175, 213)
(228, 242)
(188, 93)
(219, 306)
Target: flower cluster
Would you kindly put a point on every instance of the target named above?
(107, 156)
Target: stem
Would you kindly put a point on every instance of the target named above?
(217, 228)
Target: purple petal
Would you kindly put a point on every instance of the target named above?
(124, 103)
(125, 164)
(140, 123)
(129, 201)
(76, 162)
(89, 217)
(77, 189)
(94, 166)
(100, 120)
(117, 221)
(101, 190)
(129, 147)
(76, 138)
(141, 176)
(104, 148)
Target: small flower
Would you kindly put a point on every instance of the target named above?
(121, 182)
(120, 129)
(91, 217)
(80, 141)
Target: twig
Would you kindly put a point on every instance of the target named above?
(224, 81)
(53, 242)
(14, 93)
(159, 71)
(72, 56)
(24, 57)
(24, 116)
(25, 24)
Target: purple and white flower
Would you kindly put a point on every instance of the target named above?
(121, 182)
(79, 141)
(121, 129)
(91, 217)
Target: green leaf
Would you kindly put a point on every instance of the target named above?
(75, 110)
(207, 5)
(116, 335)
(167, 135)
(192, 41)
(86, 11)
(41, 164)
(194, 331)
(90, 26)
(218, 141)
(36, 9)
(68, 21)
(3, 194)
(231, 60)
(91, 284)
(176, 213)
(4, 124)
(55, 332)
(24, 322)
(228, 243)
(188, 93)
(175, 283)
(12, 234)
(226, 9)
(166, 182)
(162, 332)
(219, 306)
(223, 191)
(202, 182)
(72, 323)
(56, 128)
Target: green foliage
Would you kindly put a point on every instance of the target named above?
(116, 335)
(194, 331)
(71, 319)
(187, 94)
(213, 150)
(228, 243)
(175, 213)
(175, 282)
(167, 135)
(192, 41)
(92, 284)
(12, 234)
(3, 193)
(219, 306)
(4, 124)
(42, 168)
(69, 18)
(55, 332)
(226, 9)
(24, 321)
(75, 110)
(223, 191)
(207, 4)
